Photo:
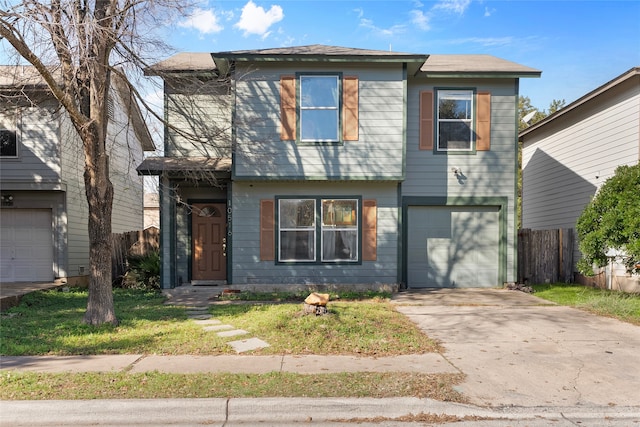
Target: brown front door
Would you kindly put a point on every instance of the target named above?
(209, 233)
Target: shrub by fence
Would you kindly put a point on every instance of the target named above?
(138, 243)
(545, 256)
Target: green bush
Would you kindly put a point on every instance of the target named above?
(143, 272)
(612, 221)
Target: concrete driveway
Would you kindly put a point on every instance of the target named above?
(517, 349)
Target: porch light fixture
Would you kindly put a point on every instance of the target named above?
(7, 200)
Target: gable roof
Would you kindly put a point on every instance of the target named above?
(584, 101)
(319, 52)
(429, 65)
(203, 62)
(474, 66)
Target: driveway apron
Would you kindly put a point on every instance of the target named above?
(517, 349)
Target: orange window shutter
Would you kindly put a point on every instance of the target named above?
(483, 122)
(426, 120)
(288, 108)
(350, 108)
(267, 230)
(369, 230)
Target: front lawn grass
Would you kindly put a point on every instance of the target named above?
(50, 323)
(155, 385)
(619, 305)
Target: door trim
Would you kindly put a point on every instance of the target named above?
(191, 202)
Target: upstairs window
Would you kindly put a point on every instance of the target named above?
(319, 109)
(8, 138)
(459, 121)
(455, 120)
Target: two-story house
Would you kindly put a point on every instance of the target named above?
(322, 165)
(43, 209)
(569, 155)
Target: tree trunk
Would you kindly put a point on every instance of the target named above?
(99, 191)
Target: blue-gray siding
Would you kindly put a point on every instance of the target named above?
(377, 153)
(249, 269)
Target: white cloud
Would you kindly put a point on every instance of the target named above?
(203, 20)
(255, 20)
(386, 32)
(421, 20)
(488, 11)
(456, 6)
(486, 41)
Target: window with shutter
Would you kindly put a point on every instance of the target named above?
(460, 123)
(323, 230)
(319, 108)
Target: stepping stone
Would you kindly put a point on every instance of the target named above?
(241, 346)
(217, 328)
(197, 307)
(197, 310)
(207, 322)
(232, 333)
(200, 316)
(197, 313)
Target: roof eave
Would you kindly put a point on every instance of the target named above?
(633, 72)
(479, 74)
(319, 58)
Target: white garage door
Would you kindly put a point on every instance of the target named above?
(26, 245)
(452, 247)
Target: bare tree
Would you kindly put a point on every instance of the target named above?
(77, 46)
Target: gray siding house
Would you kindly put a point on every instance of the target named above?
(330, 166)
(567, 156)
(43, 209)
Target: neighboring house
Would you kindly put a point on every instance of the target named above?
(43, 214)
(151, 210)
(567, 156)
(339, 166)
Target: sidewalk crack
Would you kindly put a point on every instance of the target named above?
(134, 363)
(226, 412)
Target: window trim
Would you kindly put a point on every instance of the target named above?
(339, 111)
(318, 239)
(472, 120)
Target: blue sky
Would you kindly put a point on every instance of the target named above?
(578, 45)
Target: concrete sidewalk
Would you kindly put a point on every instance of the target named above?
(428, 363)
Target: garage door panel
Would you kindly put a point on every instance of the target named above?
(452, 246)
(27, 245)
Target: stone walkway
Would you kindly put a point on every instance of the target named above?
(201, 316)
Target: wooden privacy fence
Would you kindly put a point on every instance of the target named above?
(137, 243)
(545, 256)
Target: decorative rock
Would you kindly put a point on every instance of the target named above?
(317, 299)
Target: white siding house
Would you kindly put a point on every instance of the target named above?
(43, 214)
(567, 156)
